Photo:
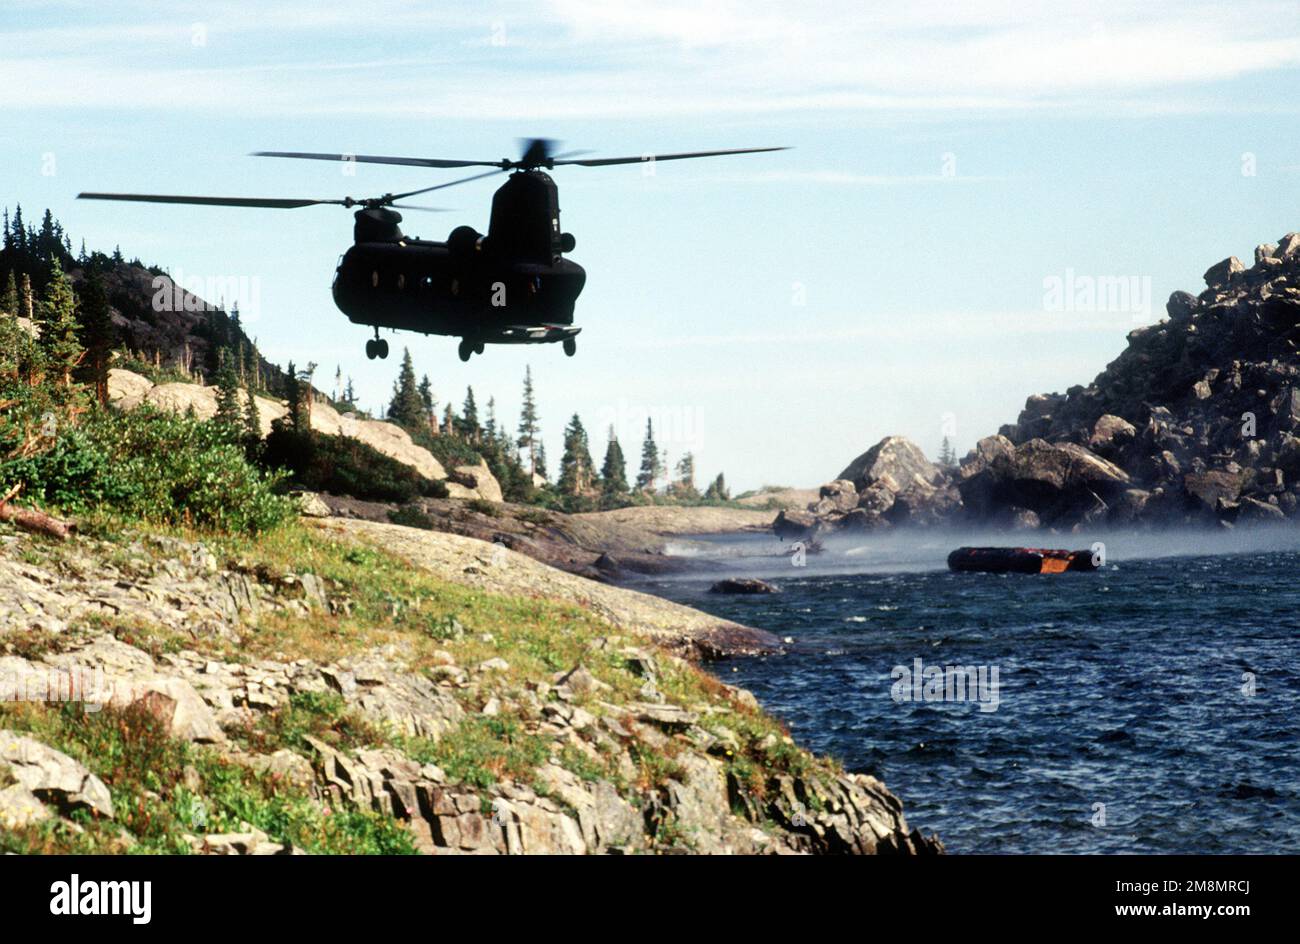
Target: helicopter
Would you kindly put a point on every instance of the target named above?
(512, 285)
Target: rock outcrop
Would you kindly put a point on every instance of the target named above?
(1201, 412)
(583, 790)
(890, 484)
(1196, 422)
(127, 390)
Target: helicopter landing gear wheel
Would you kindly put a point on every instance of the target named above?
(570, 347)
(370, 350)
(478, 347)
(381, 349)
(465, 350)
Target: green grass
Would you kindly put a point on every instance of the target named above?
(388, 602)
(483, 750)
(163, 788)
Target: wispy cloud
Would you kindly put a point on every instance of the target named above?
(593, 59)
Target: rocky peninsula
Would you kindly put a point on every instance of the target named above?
(1196, 423)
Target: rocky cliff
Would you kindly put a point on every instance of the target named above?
(353, 687)
(1196, 422)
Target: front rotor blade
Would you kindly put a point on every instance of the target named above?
(452, 183)
(408, 206)
(377, 159)
(264, 202)
(645, 158)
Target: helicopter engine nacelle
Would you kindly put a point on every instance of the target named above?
(567, 242)
(463, 241)
(376, 224)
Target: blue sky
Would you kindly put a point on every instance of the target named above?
(979, 205)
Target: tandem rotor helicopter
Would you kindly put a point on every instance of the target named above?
(510, 286)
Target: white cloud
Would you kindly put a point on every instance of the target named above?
(592, 59)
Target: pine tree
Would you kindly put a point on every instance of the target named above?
(428, 401)
(528, 426)
(490, 427)
(97, 333)
(717, 490)
(406, 408)
(576, 467)
(469, 416)
(947, 455)
(229, 412)
(645, 479)
(297, 418)
(684, 487)
(350, 395)
(613, 472)
(26, 306)
(252, 419)
(448, 421)
(539, 467)
(18, 231)
(58, 322)
(9, 300)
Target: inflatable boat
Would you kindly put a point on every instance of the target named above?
(1019, 560)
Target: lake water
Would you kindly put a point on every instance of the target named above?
(1153, 706)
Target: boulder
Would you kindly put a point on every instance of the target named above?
(988, 450)
(1181, 306)
(876, 499)
(1111, 431)
(1221, 273)
(742, 585)
(474, 481)
(842, 494)
(925, 505)
(124, 383)
(1057, 481)
(53, 776)
(796, 525)
(1288, 246)
(311, 505)
(19, 807)
(1265, 251)
(895, 461)
(176, 704)
(1286, 408)
(1129, 507)
(1212, 491)
(863, 519)
(1037, 418)
(1256, 511)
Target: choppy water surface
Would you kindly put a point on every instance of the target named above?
(1126, 687)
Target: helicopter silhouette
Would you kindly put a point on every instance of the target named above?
(512, 285)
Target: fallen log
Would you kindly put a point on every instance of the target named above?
(29, 519)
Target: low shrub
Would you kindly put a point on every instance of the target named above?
(345, 466)
(151, 465)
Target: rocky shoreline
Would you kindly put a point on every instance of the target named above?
(607, 546)
(266, 675)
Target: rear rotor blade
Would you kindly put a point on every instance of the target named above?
(377, 159)
(262, 202)
(605, 161)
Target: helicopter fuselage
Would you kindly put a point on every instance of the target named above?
(419, 285)
(510, 286)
